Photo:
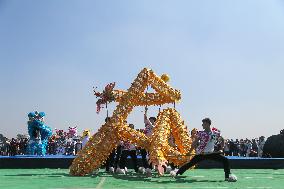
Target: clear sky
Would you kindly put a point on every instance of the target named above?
(226, 57)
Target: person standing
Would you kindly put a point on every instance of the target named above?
(128, 149)
(109, 164)
(249, 148)
(148, 131)
(261, 143)
(226, 147)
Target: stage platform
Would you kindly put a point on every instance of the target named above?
(61, 161)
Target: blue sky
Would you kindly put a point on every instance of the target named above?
(226, 57)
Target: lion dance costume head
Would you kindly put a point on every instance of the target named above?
(72, 132)
(39, 133)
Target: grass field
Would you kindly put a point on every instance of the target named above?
(195, 179)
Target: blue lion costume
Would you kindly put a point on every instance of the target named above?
(39, 134)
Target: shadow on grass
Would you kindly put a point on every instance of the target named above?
(41, 174)
(132, 176)
(100, 174)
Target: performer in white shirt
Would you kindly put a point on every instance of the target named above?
(148, 131)
(204, 144)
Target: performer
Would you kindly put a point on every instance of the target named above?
(85, 137)
(39, 133)
(204, 150)
(128, 149)
(71, 141)
(110, 162)
(148, 131)
(60, 140)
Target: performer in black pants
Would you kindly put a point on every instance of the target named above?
(113, 158)
(144, 159)
(148, 131)
(205, 141)
(110, 162)
(124, 155)
(128, 149)
(118, 156)
(211, 156)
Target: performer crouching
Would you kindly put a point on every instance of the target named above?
(204, 144)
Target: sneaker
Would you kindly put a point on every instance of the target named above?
(142, 170)
(173, 173)
(120, 171)
(111, 169)
(96, 171)
(148, 172)
(168, 169)
(232, 178)
(126, 170)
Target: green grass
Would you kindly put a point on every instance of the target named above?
(197, 178)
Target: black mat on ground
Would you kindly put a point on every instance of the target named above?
(33, 162)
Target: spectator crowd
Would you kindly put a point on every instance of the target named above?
(62, 143)
(242, 147)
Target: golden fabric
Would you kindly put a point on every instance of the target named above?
(102, 143)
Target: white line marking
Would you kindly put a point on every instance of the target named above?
(99, 186)
(72, 188)
(260, 187)
(205, 187)
(259, 177)
(198, 176)
(149, 187)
